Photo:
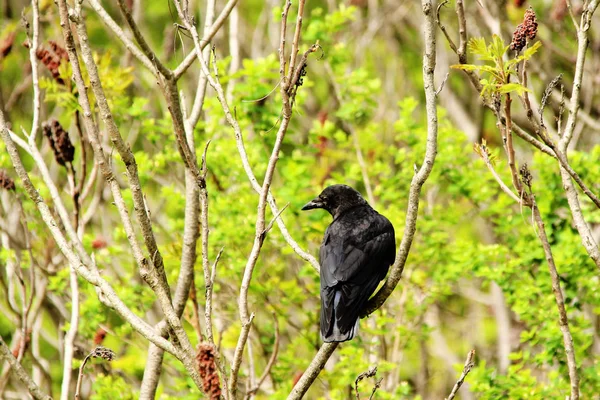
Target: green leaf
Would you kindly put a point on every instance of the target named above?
(478, 47)
(497, 48)
(466, 67)
(530, 51)
(513, 87)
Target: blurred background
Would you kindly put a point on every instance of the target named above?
(476, 277)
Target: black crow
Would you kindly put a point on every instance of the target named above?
(358, 248)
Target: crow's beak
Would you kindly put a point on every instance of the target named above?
(316, 203)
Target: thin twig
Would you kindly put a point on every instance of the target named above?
(462, 30)
(443, 28)
(367, 374)
(189, 59)
(439, 90)
(421, 175)
(209, 297)
(21, 374)
(295, 43)
(560, 303)
(98, 352)
(582, 45)
(270, 363)
(152, 267)
(198, 105)
(469, 363)
(499, 180)
(270, 225)
(283, 30)
(106, 293)
(510, 150)
(139, 38)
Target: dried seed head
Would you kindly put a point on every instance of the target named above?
(59, 141)
(52, 59)
(205, 358)
(519, 39)
(59, 50)
(524, 31)
(5, 181)
(526, 175)
(104, 353)
(530, 24)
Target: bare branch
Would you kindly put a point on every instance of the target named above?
(139, 38)
(462, 30)
(501, 183)
(270, 363)
(270, 225)
(468, 365)
(69, 341)
(367, 374)
(151, 268)
(20, 372)
(560, 303)
(313, 370)
(120, 34)
(284, 18)
(421, 175)
(423, 172)
(98, 352)
(295, 44)
(198, 105)
(208, 294)
(443, 27)
(189, 59)
(508, 144)
(107, 293)
(582, 45)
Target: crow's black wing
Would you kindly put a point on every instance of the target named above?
(355, 255)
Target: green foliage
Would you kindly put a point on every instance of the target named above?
(110, 387)
(114, 80)
(470, 235)
(495, 76)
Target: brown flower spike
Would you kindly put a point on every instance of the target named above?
(205, 358)
(524, 31)
(59, 141)
(51, 58)
(7, 44)
(5, 181)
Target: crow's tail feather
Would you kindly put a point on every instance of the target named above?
(340, 310)
(332, 327)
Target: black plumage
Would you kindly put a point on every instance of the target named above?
(357, 250)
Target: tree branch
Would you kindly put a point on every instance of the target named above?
(560, 303)
(20, 372)
(152, 268)
(468, 365)
(417, 182)
(106, 293)
(206, 38)
(423, 172)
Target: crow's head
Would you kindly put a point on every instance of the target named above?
(336, 199)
